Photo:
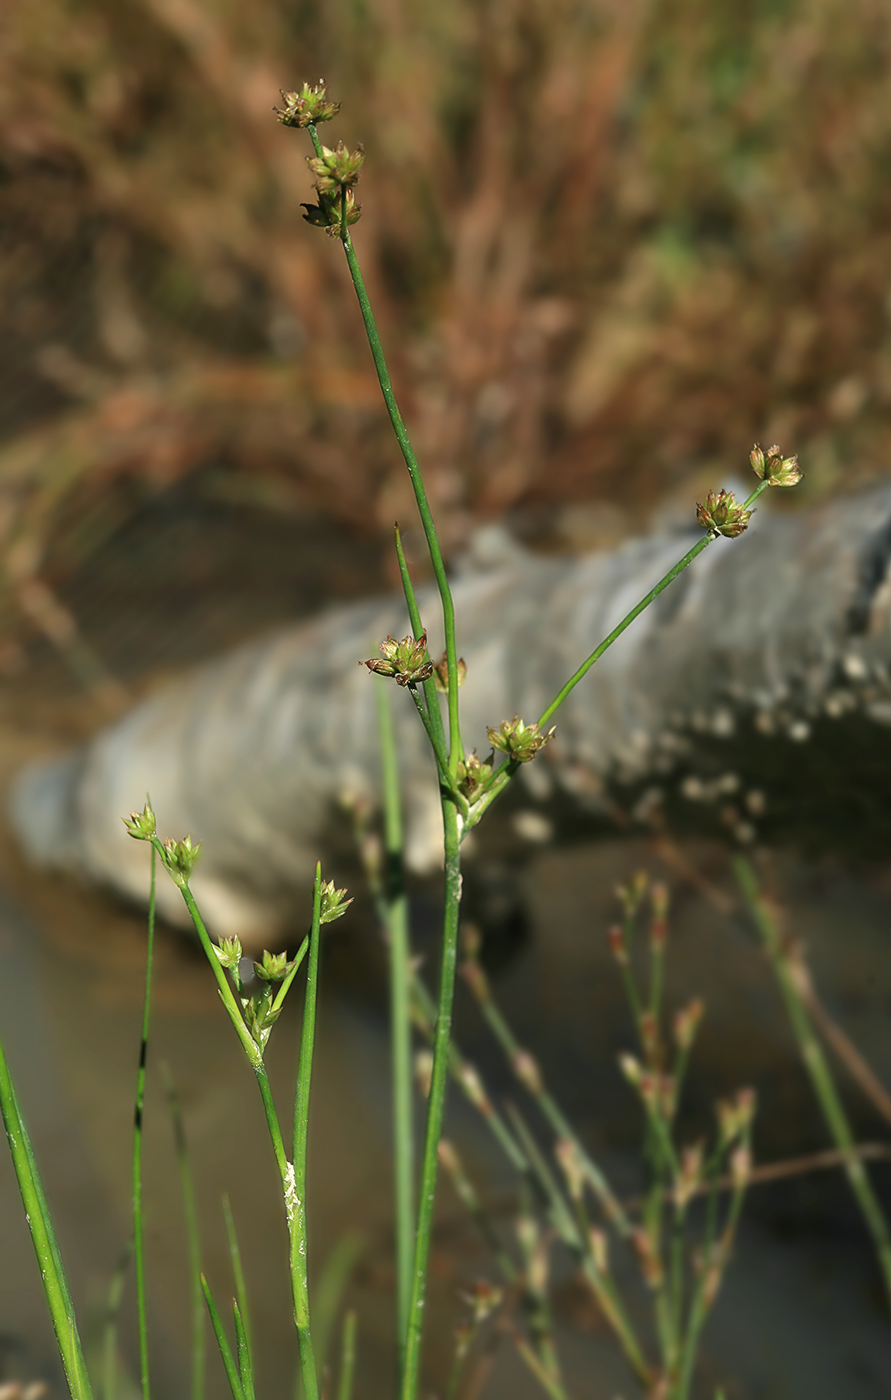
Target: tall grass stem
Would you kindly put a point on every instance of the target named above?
(396, 903)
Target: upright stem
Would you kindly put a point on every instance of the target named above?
(295, 1188)
(138, 1236)
(436, 1100)
(417, 481)
(400, 1022)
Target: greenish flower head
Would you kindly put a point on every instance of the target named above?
(333, 903)
(405, 661)
(180, 857)
(337, 167)
(721, 514)
(473, 775)
(141, 825)
(274, 967)
(774, 468)
(520, 741)
(229, 953)
(307, 107)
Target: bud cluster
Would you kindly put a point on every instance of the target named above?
(473, 772)
(333, 904)
(405, 661)
(721, 514)
(180, 858)
(307, 107)
(520, 741)
(774, 468)
(141, 825)
(336, 167)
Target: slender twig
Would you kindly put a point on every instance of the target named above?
(817, 1066)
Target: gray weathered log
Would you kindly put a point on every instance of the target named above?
(758, 683)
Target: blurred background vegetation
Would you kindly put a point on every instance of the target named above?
(610, 244)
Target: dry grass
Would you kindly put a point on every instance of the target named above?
(610, 244)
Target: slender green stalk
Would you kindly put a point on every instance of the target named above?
(241, 1292)
(507, 770)
(635, 612)
(436, 1099)
(400, 1020)
(818, 1069)
(193, 1240)
(329, 1290)
(295, 1205)
(226, 1356)
(243, 1352)
(448, 608)
(347, 1357)
(138, 1234)
(110, 1328)
(295, 1189)
(55, 1284)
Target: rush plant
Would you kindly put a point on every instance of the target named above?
(468, 787)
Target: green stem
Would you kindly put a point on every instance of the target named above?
(295, 1189)
(396, 913)
(436, 1100)
(507, 770)
(347, 1357)
(55, 1284)
(110, 1328)
(817, 1066)
(219, 1332)
(241, 1293)
(295, 1208)
(448, 608)
(138, 1234)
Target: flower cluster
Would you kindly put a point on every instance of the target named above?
(180, 857)
(405, 661)
(774, 468)
(521, 742)
(722, 514)
(307, 107)
(141, 825)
